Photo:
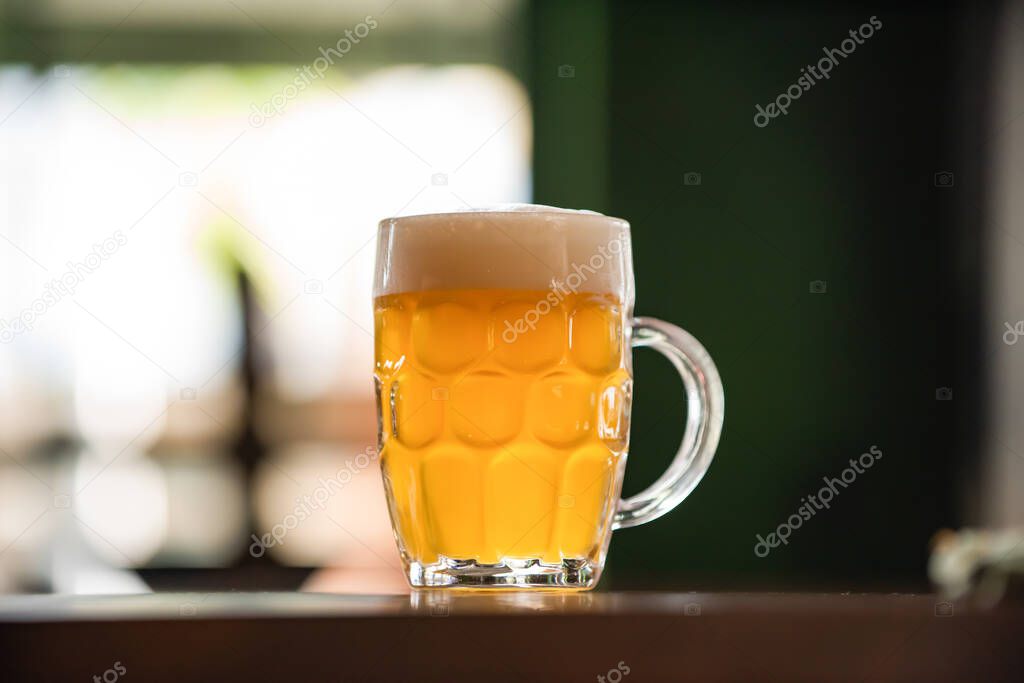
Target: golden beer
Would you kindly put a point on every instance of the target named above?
(504, 383)
(504, 422)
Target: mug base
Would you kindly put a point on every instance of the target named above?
(509, 573)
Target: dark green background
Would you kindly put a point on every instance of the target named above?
(841, 189)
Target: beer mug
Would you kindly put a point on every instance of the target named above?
(503, 373)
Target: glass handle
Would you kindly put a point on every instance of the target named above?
(705, 410)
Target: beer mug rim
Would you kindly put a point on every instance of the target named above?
(585, 215)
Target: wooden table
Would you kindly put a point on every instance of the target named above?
(437, 636)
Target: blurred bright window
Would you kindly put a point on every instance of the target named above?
(132, 195)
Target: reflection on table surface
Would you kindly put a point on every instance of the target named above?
(441, 602)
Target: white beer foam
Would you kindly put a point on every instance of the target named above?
(515, 246)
